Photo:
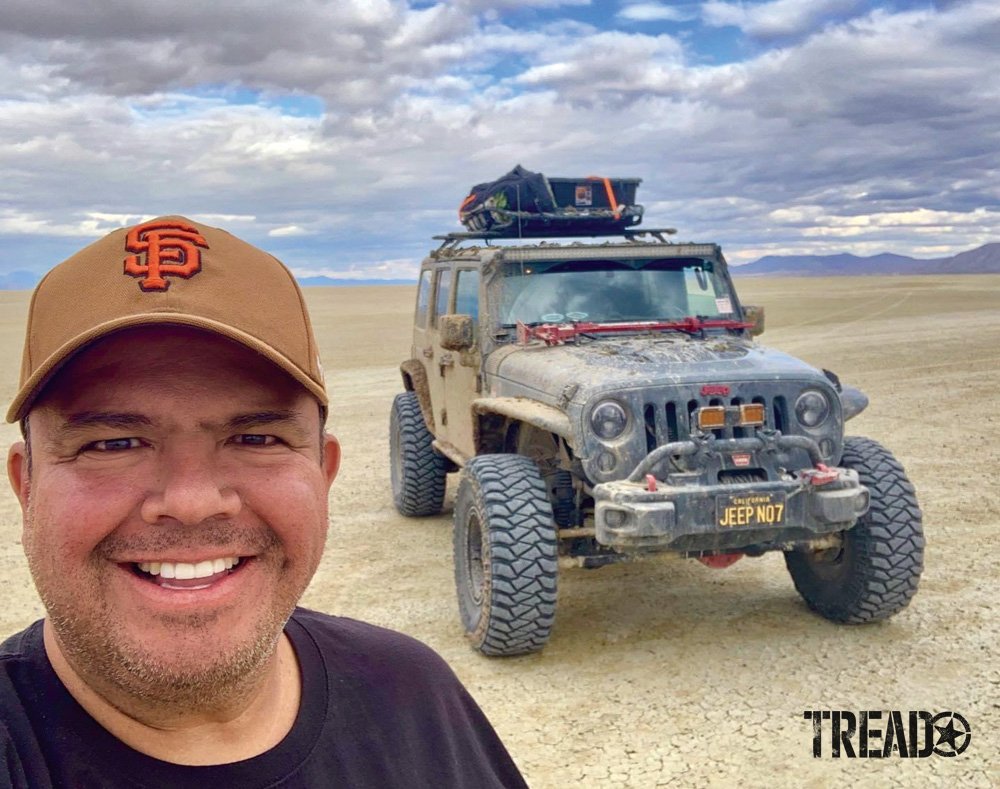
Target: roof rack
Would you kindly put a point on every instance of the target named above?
(449, 240)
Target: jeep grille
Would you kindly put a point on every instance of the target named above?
(670, 420)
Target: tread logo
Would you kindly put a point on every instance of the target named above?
(873, 735)
(171, 250)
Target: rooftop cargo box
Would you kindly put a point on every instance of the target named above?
(524, 204)
(593, 192)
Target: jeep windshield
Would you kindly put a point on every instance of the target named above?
(614, 291)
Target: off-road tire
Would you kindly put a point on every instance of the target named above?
(506, 555)
(418, 472)
(876, 570)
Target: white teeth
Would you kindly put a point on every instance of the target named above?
(186, 570)
(204, 569)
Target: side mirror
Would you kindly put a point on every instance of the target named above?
(456, 332)
(754, 315)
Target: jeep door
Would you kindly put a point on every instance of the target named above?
(432, 297)
(460, 369)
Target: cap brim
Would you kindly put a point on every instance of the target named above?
(44, 373)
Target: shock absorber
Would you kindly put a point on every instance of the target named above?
(564, 506)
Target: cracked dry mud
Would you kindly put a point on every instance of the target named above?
(666, 672)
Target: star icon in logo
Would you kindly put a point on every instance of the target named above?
(952, 740)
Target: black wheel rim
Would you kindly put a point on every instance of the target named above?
(831, 563)
(395, 460)
(474, 554)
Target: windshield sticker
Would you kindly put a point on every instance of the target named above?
(584, 194)
(723, 305)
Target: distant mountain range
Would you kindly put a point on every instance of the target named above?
(982, 260)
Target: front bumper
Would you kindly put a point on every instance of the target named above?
(695, 517)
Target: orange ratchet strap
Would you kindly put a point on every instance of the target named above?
(609, 190)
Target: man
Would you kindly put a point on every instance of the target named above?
(173, 481)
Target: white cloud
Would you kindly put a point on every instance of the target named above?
(774, 18)
(498, 5)
(288, 230)
(19, 223)
(606, 66)
(890, 117)
(655, 12)
(403, 268)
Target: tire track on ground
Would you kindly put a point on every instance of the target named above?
(839, 327)
(853, 308)
(884, 371)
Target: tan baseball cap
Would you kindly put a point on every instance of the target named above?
(168, 271)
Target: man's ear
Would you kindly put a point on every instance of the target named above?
(331, 457)
(17, 472)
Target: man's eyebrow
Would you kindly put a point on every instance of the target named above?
(116, 420)
(113, 419)
(260, 418)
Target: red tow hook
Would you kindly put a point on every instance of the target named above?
(823, 475)
(651, 483)
(721, 560)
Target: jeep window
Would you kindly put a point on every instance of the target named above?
(608, 291)
(423, 298)
(467, 293)
(441, 294)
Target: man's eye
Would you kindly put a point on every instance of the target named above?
(113, 445)
(255, 440)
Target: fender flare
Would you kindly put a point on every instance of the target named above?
(415, 380)
(522, 409)
(853, 401)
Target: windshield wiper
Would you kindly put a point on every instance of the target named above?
(558, 333)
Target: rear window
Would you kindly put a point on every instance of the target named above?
(423, 298)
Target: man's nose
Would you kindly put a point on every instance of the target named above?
(190, 488)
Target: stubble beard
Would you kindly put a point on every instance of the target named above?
(136, 678)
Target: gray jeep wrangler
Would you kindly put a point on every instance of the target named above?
(606, 400)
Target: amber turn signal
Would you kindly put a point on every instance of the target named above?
(716, 417)
(752, 414)
(712, 417)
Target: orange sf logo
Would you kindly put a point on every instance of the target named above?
(171, 251)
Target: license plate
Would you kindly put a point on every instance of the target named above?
(748, 510)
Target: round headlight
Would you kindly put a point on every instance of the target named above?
(812, 408)
(608, 419)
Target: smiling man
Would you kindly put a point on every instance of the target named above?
(173, 480)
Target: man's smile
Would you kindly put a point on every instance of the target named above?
(187, 575)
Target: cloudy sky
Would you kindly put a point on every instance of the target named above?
(342, 135)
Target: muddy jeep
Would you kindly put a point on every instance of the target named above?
(605, 401)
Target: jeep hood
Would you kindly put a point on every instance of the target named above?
(549, 373)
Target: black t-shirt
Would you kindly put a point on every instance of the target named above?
(379, 709)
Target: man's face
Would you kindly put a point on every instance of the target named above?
(175, 510)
